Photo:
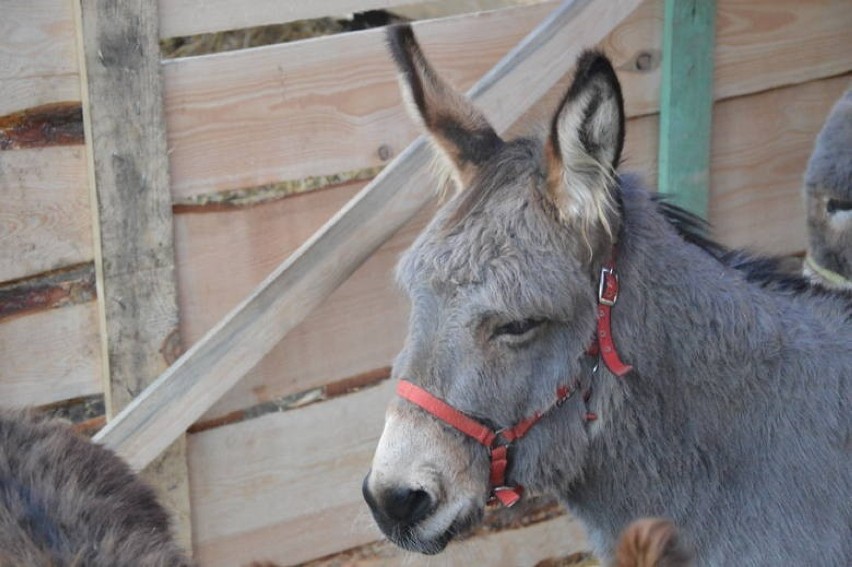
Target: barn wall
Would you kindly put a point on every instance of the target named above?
(243, 127)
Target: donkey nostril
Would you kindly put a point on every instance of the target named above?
(407, 506)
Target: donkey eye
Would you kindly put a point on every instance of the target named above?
(517, 328)
(835, 205)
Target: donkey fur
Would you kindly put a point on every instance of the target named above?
(65, 501)
(651, 542)
(735, 423)
(828, 196)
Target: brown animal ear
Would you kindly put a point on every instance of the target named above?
(456, 127)
(585, 143)
(652, 542)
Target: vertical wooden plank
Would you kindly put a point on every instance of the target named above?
(686, 102)
(124, 122)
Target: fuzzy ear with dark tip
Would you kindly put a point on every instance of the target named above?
(585, 143)
(458, 129)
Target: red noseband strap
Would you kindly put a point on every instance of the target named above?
(497, 441)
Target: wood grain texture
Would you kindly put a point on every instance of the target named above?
(328, 105)
(313, 107)
(50, 356)
(17, 94)
(127, 143)
(37, 39)
(201, 376)
(38, 56)
(190, 17)
(261, 492)
(134, 254)
(45, 217)
(357, 329)
(761, 45)
(761, 145)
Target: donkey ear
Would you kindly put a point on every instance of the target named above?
(586, 138)
(455, 126)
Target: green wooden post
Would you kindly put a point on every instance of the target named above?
(686, 102)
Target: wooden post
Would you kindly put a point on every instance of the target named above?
(686, 102)
(119, 56)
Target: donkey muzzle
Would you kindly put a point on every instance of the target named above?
(397, 508)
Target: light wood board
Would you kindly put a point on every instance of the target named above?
(252, 241)
(50, 356)
(329, 105)
(38, 57)
(190, 17)
(45, 217)
(760, 148)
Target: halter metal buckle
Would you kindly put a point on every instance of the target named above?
(608, 287)
(513, 495)
(499, 440)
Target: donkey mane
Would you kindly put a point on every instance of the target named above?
(765, 271)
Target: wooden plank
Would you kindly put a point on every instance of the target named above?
(50, 356)
(253, 117)
(686, 103)
(190, 17)
(17, 94)
(763, 45)
(134, 254)
(202, 375)
(45, 219)
(37, 39)
(326, 346)
(261, 493)
(38, 55)
(761, 146)
(329, 105)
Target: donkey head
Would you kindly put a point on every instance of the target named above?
(503, 289)
(828, 196)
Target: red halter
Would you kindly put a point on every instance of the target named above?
(497, 441)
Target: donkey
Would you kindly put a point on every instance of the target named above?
(571, 334)
(828, 196)
(65, 501)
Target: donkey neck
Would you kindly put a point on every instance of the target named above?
(708, 349)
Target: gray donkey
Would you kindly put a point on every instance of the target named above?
(828, 196)
(573, 335)
(65, 501)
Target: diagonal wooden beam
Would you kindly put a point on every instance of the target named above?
(212, 366)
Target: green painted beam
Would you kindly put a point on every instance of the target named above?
(686, 102)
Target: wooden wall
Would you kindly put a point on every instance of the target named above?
(285, 485)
